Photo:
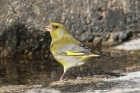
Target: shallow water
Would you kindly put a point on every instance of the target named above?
(44, 70)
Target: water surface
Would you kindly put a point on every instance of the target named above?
(44, 70)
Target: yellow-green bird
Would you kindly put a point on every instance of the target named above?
(66, 49)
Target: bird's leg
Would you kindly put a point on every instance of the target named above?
(62, 76)
(80, 70)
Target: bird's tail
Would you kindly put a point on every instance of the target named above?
(94, 55)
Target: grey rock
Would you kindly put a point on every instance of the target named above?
(122, 35)
(42, 90)
(22, 22)
(97, 40)
(115, 36)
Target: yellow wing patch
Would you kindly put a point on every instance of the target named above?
(94, 55)
(74, 53)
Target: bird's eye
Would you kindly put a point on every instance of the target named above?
(56, 27)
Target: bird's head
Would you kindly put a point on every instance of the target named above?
(56, 30)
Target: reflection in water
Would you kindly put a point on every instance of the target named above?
(24, 71)
(43, 70)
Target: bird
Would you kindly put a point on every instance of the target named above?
(67, 50)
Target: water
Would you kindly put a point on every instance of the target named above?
(26, 70)
(44, 70)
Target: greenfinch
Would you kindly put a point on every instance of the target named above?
(66, 49)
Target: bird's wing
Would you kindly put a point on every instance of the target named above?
(76, 50)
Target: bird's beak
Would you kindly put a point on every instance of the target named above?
(49, 28)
